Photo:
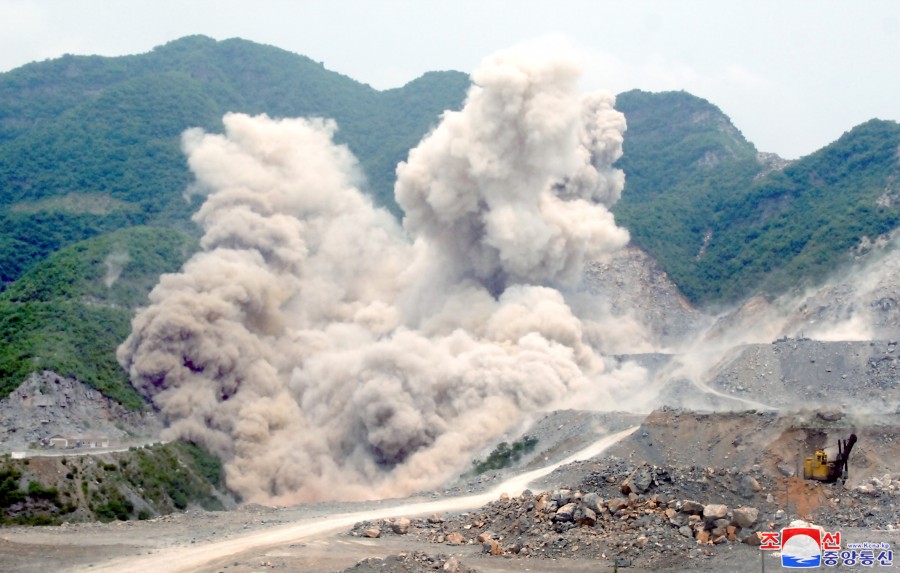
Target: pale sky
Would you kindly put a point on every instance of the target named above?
(792, 74)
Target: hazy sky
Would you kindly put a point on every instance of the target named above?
(793, 75)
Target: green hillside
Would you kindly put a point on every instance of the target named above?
(794, 227)
(70, 311)
(91, 144)
(700, 201)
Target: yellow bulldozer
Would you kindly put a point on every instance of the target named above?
(818, 467)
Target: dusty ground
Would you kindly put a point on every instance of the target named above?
(706, 455)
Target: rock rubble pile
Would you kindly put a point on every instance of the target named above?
(651, 516)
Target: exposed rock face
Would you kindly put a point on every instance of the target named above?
(46, 405)
(637, 289)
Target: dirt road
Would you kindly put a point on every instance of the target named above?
(185, 547)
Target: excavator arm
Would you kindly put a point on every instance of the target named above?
(839, 469)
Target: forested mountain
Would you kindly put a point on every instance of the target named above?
(726, 222)
(92, 179)
(69, 312)
(91, 144)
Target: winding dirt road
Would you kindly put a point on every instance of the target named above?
(186, 559)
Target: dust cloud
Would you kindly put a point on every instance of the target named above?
(324, 351)
(114, 263)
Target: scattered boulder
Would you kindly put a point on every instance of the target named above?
(400, 526)
(745, 517)
(585, 516)
(454, 538)
(749, 486)
(714, 511)
(592, 501)
(640, 480)
(562, 497)
(565, 513)
(830, 415)
(492, 546)
(617, 505)
(484, 537)
(692, 507)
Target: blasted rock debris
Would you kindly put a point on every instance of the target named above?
(653, 517)
(414, 562)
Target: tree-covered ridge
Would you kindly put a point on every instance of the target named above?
(697, 198)
(82, 126)
(70, 312)
(682, 159)
(794, 227)
(674, 142)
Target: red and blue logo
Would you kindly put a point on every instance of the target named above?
(801, 547)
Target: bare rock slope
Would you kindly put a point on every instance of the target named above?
(46, 405)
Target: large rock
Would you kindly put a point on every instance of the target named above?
(484, 537)
(639, 481)
(455, 538)
(692, 507)
(565, 513)
(617, 505)
(585, 516)
(492, 546)
(702, 536)
(593, 501)
(830, 415)
(745, 517)
(714, 511)
(749, 486)
(400, 525)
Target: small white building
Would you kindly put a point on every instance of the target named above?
(60, 442)
(92, 442)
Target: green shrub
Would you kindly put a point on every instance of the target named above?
(505, 455)
(116, 507)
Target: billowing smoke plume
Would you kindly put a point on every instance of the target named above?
(322, 351)
(514, 188)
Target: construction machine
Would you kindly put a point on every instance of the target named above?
(820, 468)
